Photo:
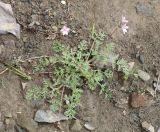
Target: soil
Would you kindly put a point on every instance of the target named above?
(142, 38)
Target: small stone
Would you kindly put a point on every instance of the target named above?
(24, 39)
(24, 85)
(89, 126)
(158, 129)
(144, 9)
(137, 100)
(63, 2)
(76, 126)
(55, 29)
(157, 87)
(147, 126)
(141, 59)
(151, 91)
(143, 75)
(49, 116)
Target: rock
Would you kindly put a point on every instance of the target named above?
(8, 22)
(141, 59)
(63, 2)
(89, 126)
(144, 9)
(158, 129)
(48, 116)
(151, 91)
(147, 126)
(55, 29)
(76, 126)
(26, 122)
(24, 85)
(143, 75)
(157, 87)
(137, 100)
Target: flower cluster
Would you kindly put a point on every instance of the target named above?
(124, 24)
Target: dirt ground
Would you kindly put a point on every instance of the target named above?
(143, 38)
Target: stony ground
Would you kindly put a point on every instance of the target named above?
(127, 109)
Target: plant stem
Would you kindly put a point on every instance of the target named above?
(60, 108)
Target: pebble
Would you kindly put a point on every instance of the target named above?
(49, 116)
(137, 100)
(76, 126)
(55, 28)
(141, 59)
(143, 75)
(89, 126)
(157, 87)
(147, 126)
(151, 91)
(63, 2)
(144, 9)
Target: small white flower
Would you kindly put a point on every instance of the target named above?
(65, 30)
(124, 28)
(124, 25)
(63, 2)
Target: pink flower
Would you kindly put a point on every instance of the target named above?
(124, 25)
(65, 30)
(124, 28)
(124, 20)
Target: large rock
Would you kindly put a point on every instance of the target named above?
(48, 116)
(143, 75)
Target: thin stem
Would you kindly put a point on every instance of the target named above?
(6, 69)
(90, 51)
(60, 108)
